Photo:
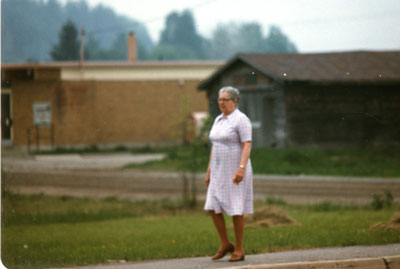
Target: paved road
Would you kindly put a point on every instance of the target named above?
(97, 176)
(321, 254)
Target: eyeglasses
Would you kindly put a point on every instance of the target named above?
(224, 100)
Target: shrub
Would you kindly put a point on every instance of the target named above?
(379, 202)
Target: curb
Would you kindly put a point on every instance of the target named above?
(390, 262)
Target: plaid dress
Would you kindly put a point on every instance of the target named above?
(226, 135)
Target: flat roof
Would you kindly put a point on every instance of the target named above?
(107, 64)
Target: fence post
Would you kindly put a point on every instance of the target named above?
(52, 136)
(28, 134)
(37, 137)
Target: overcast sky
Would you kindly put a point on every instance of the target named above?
(313, 25)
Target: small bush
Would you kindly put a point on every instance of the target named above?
(171, 205)
(295, 157)
(379, 202)
(111, 198)
(120, 148)
(66, 198)
(388, 202)
(329, 206)
(275, 201)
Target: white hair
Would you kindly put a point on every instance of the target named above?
(234, 93)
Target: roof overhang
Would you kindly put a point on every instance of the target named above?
(140, 70)
(205, 84)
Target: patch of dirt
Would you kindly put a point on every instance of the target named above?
(393, 225)
(269, 216)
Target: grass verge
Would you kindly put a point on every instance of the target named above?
(43, 231)
(339, 162)
(95, 149)
(290, 161)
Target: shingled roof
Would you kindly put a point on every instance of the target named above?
(354, 67)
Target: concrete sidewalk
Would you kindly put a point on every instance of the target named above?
(95, 161)
(379, 257)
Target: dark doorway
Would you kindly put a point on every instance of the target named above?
(6, 121)
(269, 122)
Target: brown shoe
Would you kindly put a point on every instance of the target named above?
(222, 253)
(236, 258)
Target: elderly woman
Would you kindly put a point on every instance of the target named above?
(229, 175)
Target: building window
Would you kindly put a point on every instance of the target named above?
(250, 78)
(251, 105)
(5, 84)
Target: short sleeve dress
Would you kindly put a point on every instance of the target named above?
(223, 195)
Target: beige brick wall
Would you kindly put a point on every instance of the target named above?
(145, 111)
(24, 95)
(88, 113)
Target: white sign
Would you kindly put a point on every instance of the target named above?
(42, 113)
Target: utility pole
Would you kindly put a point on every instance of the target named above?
(82, 46)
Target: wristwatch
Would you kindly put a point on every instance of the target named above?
(241, 166)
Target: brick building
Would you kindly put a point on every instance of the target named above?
(330, 99)
(107, 104)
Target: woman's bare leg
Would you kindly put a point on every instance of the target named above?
(219, 223)
(238, 224)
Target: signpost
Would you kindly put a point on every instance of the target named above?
(41, 118)
(42, 114)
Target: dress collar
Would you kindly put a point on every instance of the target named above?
(230, 116)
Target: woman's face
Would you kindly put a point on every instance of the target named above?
(226, 104)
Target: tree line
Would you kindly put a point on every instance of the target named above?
(180, 40)
(40, 31)
(30, 28)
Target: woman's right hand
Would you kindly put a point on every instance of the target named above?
(207, 179)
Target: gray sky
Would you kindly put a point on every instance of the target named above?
(313, 25)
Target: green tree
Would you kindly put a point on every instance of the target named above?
(180, 32)
(67, 48)
(119, 47)
(223, 44)
(30, 28)
(169, 52)
(229, 39)
(250, 37)
(117, 51)
(278, 42)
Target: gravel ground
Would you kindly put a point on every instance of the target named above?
(98, 175)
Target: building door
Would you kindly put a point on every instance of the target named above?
(6, 121)
(269, 122)
(251, 104)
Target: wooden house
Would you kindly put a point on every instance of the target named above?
(306, 100)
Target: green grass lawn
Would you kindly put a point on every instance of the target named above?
(43, 231)
(371, 162)
(339, 162)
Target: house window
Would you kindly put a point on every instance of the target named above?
(250, 78)
(251, 105)
(5, 84)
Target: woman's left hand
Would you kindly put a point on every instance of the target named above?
(238, 176)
